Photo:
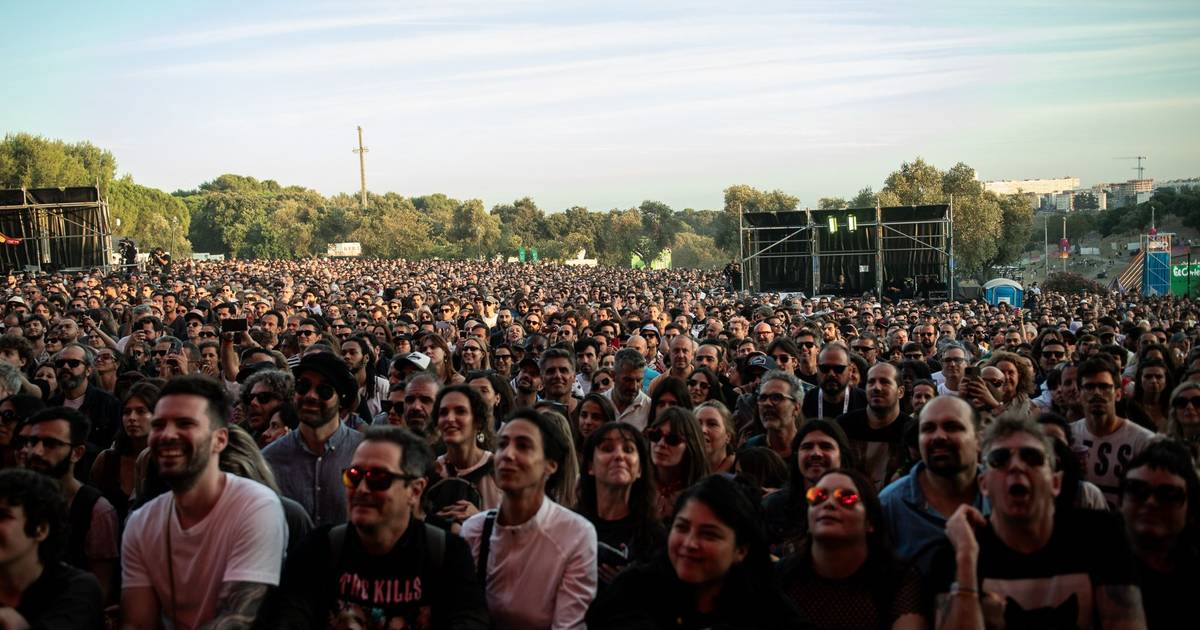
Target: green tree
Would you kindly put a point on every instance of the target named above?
(151, 217)
(864, 199)
(522, 221)
(28, 161)
(693, 251)
(1086, 201)
(1016, 229)
(831, 203)
(393, 228)
(474, 232)
(742, 198)
(659, 227)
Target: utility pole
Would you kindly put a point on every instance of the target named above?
(1046, 246)
(362, 168)
(1065, 254)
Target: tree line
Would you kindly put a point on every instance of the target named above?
(244, 217)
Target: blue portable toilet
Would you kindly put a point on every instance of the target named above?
(1004, 291)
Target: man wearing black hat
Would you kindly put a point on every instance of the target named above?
(308, 463)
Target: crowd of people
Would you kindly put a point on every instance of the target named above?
(452, 444)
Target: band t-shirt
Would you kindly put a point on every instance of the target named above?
(1108, 456)
(404, 588)
(1054, 587)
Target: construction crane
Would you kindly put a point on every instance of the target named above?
(1139, 168)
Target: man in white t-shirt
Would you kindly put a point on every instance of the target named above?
(209, 551)
(1110, 440)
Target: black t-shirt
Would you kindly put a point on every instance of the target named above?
(879, 452)
(1052, 587)
(402, 589)
(63, 597)
(1167, 597)
(813, 409)
(617, 534)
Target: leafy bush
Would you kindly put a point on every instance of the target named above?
(1068, 282)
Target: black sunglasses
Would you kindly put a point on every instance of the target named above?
(32, 442)
(1000, 457)
(1164, 495)
(378, 479)
(656, 435)
(71, 363)
(836, 369)
(325, 391)
(1181, 402)
(263, 398)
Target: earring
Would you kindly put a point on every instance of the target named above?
(479, 437)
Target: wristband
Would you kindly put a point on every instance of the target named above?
(958, 589)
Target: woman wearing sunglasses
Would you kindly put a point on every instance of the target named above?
(473, 356)
(820, 445)
(715, 573)
(13, 411)
(616, 493)
(1183, 421)
(845, 574)
(602, 379)
(466, 434)
(537, 559)
(677, 450)
(703, 385)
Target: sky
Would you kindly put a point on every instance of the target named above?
(607, 104)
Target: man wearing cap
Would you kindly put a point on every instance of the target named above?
(650, 333)
(527, 385)
(308, 463)
(194, 321)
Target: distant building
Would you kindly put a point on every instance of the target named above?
(1130, 193)
(1035, 186)
(1178, 184)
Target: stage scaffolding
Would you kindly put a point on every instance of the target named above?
(848, 250)
(54, 228)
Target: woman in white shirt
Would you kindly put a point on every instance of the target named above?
(537, 559)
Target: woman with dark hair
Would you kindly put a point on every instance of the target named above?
(1151, 401)
(13, 411)
(716, 571)
(114, 472)
(764, 466)
(845, 574)
(463, 428)
(602, 378)
(616, 493)
(716, 423)
(496, 393)
(536, 558)
(440, 360)
(819, 446)
(677, 450)
(670, 392)
(594, 411)
(703, 385)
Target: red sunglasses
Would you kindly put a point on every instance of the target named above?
(845, 498)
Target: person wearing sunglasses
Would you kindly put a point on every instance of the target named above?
(1029, 563)
(73, 371)
(536, 558)
(677, 450)
(262, 393)
(834, 395)
(384, 542)
(1160, 502)
(1183, 421)
(845, 574)
(308, 463)
(716, 571)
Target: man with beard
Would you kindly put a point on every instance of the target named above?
(558, 378)
(263, 393)
(1029, 565)
(52, 443)
(419, 396)
(207, 552)
(954, 359)
(917, 505)
(527, 386)
(834, 396)
(73, 366)
(682, 349)
(372, 388)
(430, 575)
(806, 365)
(1108, 441)
(778, 411)
(632, 404)
(876, 433)
(587, 359)
(308, 463)
(638, 343)
(926, 337)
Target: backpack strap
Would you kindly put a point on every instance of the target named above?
(435, 547)
(485, 546)
(337, 540)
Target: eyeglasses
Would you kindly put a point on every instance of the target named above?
(8, 416)
(1049, 354)
(1000, 457)
(994, 382)
(699, 383)
(503, 357)
(656, 435)
(844, 497)
(32, 442)
(306, 333)
(207, 335)
(263, 398)
(774, 398)
(53, 339)
(1165, 495)
(807, 345)
(71, 363)
(325, 391)
(827, 368)
(782, 358)
(953, 360)
(1181, 402)
(913, 355)
(378, 479)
